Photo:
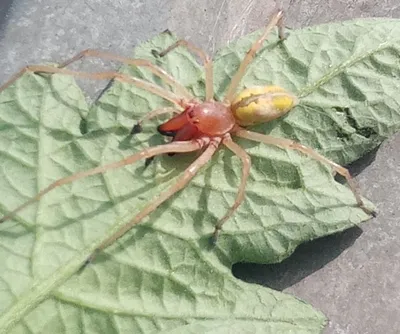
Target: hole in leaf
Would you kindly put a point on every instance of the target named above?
(366, 132)
(83, 126)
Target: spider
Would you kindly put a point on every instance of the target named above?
(196, 125)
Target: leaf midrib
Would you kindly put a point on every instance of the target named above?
(335, 71)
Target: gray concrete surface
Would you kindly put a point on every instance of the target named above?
(354, 278)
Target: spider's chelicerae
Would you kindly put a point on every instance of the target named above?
(197, 125)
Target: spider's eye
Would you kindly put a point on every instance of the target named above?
(262, 104)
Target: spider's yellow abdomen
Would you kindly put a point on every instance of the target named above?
(262, 104)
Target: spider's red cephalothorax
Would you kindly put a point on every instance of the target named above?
(209, 119)
(201, 126)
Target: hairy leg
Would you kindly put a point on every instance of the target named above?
(275, 20)
(175, 147)
(188, 175)
(245, 158)
(157, 90)
(180, 89)
(290, 144)
(208, 64)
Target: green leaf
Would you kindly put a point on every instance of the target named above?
(162, 276)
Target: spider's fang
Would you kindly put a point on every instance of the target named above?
(166, 133)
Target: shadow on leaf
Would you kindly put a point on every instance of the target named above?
(307, 259)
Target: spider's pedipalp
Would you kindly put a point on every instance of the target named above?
(137, 128)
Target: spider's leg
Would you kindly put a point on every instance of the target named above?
(188, 175)
(180, 89)
(275, 20)
(157, 90)
(245, 158)
(137, 128)
(14, 78)
(208, 64)
(290, 144)
(178, 147)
